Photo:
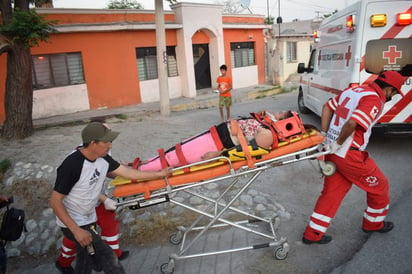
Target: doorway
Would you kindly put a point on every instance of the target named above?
(202, 66)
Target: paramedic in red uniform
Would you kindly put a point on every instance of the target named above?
(348, 119)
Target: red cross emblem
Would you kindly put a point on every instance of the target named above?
(348, 56)
(341, 111)
(392, 54)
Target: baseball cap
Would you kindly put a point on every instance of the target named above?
(393, 78)
(96, 131)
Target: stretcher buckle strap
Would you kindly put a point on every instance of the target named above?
(216, 138)
(162, 157)
(181, 157)
(242, 140)
(136, 163)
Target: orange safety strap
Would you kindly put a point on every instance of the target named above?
(181, 157)
(136, 163)
(162, 158)
(216, 138)
(243, 143)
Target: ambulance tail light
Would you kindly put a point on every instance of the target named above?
(403, 19)
(315, 34)
(378, 20)
(350, 23)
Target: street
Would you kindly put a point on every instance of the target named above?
(294, 187)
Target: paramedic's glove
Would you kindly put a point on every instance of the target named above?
(323, 133)
(110, 204)
(333, 147)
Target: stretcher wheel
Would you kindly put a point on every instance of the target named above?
(176, 237)
(281, 252)
(167, 268)
(328, 168)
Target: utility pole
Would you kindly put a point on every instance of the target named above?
(162, 59)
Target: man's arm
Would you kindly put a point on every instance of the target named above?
(135, 174)
(347, 129)
(326, 117)
(56, 203)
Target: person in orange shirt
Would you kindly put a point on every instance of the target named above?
(225, 96)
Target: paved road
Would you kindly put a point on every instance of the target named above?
(294, 187)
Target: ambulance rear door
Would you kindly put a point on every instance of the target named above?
(387, 45)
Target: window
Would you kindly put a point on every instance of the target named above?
(54, 70)
(243, 54)
(291, 52)
(147, 63)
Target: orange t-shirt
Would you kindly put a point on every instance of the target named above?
(224, 82)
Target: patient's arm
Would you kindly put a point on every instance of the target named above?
(211, 154)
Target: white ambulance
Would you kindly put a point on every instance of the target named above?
(352, 47)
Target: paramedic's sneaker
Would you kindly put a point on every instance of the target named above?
(64, 270)
(324, 240)
(124, 255)
(387, 226)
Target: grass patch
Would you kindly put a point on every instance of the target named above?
(4, 166)
(288, 89)
(261, 96)
(121, 116)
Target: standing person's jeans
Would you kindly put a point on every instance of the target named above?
(104, 258)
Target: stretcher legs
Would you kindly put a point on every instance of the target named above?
(214, 212)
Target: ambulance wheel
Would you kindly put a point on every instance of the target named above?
(281, 253)
(301, 104)
(328, 169)
(167, 268)
(176, 238)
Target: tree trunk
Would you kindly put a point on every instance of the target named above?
(19, 92)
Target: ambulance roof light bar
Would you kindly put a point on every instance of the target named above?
(350, 23)
(404, 18)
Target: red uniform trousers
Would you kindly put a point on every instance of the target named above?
(110, 229)
(359, 169)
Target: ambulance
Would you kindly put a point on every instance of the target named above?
(354, 45)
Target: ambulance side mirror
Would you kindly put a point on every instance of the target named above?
(301, 68)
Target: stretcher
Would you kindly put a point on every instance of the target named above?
(240, 175)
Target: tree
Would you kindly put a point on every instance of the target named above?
(22, 29)
(232, 6)
(43, 3)
(124, 4)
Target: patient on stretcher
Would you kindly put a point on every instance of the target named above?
(259, 132)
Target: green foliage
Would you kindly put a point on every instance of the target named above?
(28, 27)
(124, 4)
(121, 116)
(269, 20)
(4, 166)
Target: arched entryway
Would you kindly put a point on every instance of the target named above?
(201, 63)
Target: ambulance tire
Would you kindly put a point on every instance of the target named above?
(301, 104)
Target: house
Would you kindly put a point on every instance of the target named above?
(107, 58)
(291, 47)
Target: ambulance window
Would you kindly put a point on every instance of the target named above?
(311, 65)
(389, 54)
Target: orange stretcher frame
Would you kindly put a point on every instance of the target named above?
(123, 187)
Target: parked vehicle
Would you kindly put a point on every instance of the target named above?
(352, 47)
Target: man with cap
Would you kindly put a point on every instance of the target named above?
(347, 121)
(77, 191)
